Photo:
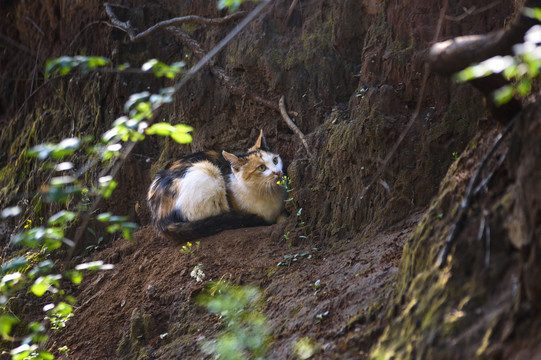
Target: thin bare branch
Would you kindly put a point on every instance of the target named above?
(193, 19)
(292, 125)
(291, 9)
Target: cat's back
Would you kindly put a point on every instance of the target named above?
(190, 189)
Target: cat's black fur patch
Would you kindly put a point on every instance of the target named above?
(212, 225)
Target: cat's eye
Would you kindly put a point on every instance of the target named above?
(261, 168)
(275, 161)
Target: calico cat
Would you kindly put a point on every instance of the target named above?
(207, 192)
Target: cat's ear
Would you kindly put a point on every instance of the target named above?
(232, 159)
(261, 143)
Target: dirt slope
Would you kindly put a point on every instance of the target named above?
(151, 281)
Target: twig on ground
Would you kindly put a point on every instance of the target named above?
(292, 125)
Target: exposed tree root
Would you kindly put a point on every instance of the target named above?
(292, 125)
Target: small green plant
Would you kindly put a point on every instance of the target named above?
(285, 182)
(197, 273)
(292, 258)
(454, 155)
(64, 350)
(322, 316)
(317, 286)
(245, 334)
(190, 249)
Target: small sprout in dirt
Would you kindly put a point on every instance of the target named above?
(320, 317)
(285, 182)
(97, 239)
(197, 273)
(362, 93)
(294, 258)
(454, 155)
(440, 216)
(64, 350)
(190, 249)
(316, 286)
(305, 348)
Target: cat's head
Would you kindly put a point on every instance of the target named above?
(260, 168)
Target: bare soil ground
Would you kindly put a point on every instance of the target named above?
(151, 279)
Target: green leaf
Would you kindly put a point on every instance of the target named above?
(524, 87)
(45, 355)
(534, 13)
(11, 280)
(11, 211)
(181, 137)
(39, 287)
(503, 95)
(134, 99)
(94, 265)
(107, 188)
(233, 5)
(104, 216)
(61, 218)
(75, 276)
(63, 309)
(15, 264)
(63, 65)
(127, 230)
(42, 267)
(6, 323)
(45, 283)
(66, 147)
(163, 129)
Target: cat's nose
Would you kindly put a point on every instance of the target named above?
(277, 173)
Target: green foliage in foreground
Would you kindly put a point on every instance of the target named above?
(37, 274)
(245, 334)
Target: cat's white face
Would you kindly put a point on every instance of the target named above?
(270, 166)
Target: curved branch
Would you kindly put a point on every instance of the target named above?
(194, 19)
(292, 125)
(453, 55)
